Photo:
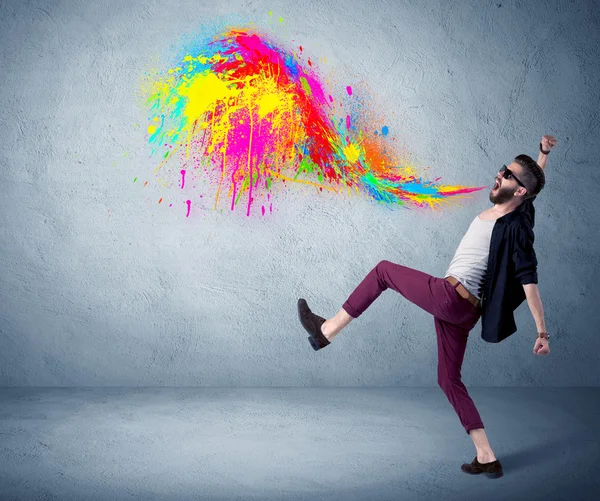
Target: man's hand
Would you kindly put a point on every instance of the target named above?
(541, 346)
(548, 142)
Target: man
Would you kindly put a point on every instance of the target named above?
(493, 270)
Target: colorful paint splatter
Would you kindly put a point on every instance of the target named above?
(249, 118)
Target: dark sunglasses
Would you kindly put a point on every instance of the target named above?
(507, 174)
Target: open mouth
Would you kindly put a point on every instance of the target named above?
(496, 186)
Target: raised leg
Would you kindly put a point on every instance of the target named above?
(420, 288)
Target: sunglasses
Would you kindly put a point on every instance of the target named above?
(507, 174)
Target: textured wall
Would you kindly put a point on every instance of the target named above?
(99, 287)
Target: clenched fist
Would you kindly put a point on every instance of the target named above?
(541, 346)
(548, 142)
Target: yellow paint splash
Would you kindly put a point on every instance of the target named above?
(202, 92)
(352, 152)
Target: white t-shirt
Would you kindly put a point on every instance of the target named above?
(470, 259)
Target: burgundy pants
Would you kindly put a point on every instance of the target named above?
(454, 317)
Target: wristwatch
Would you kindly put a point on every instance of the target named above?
(543, 335)
(544, 152)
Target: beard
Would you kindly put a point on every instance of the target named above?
(501, 195)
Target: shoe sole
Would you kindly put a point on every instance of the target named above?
(497, 474)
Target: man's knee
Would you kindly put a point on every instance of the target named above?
(446, 382)
(383, 264)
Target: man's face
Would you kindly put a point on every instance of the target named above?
(504, 189)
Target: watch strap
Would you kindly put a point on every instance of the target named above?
(544, 152)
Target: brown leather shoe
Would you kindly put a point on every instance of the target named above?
(492, 470)
(312, 323)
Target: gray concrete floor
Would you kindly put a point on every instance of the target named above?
(293, 443)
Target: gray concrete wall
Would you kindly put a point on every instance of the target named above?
(99, 286)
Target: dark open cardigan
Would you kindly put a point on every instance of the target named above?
(511, 264)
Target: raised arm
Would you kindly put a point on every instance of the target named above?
(548, 142)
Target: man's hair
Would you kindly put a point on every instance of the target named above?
(533, 175)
